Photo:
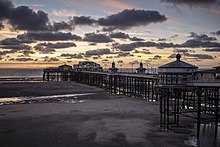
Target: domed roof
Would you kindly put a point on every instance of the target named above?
(178, 64)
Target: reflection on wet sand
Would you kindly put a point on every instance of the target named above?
(208, 136)
(68, 98)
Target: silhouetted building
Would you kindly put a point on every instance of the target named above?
(113, 69)
(205, 75)
(177, 72)
(217, 72)
(141, 69)
(87, 66)
(65, 67)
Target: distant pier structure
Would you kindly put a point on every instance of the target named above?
(62, 73)
(141, 69)
(177, 72)
(181, 88)
(113, 69)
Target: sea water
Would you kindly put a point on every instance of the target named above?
(19, 72)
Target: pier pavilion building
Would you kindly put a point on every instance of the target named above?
(141, 69)
(177, 72)
(87, 66)
(113, 69)
(217, 71)
(65, 67)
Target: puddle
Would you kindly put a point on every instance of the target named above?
(191, 141)
(208, 136)
(67, 98)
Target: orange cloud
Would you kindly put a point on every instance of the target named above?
(113, 4)
(118, 4)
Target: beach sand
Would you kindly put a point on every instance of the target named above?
(101, 120)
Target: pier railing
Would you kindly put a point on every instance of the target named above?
(126, 84)
(140, 86)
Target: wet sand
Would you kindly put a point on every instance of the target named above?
(101, 120)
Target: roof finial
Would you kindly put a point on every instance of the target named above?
(178, 56)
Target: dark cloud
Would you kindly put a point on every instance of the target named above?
(172, 56)
(22, 17)
(24, 59)
(174, 36)
(49, 36)
(125, 47)
(199, 56)
(77, 56)
(120, 61)
(200, 41)
(130, 18)
(191, 2)
(56, 26)
(15, 44)
(109, 57)
(1, 26)
(96, 57)
(144, 51)
(15, 41)
(134, 62)
(216, 33)
(25, 18)
(49, 48)
(84, 20)
(6, 52)
(6, 7)
(108, 29)
(97, 38)
(26, 53)
(53, 59)
(16, 47)
(136, 39)
(44, 50)
(123, 54)
(182, 50)
(132, 46)
(119, 35)
(156, 57)
(201, 37)
(57, 45)
(105, 61)
(193, 43)
(162, 39)
(212, 50)
(122, 35)
(97, 52)
(194, 56)
(93, 43)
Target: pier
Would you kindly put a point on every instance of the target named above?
(198, 101)
(174, 88)
(128, 84)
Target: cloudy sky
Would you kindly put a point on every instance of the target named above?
(42, 33)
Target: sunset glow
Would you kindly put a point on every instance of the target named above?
(39, 34)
